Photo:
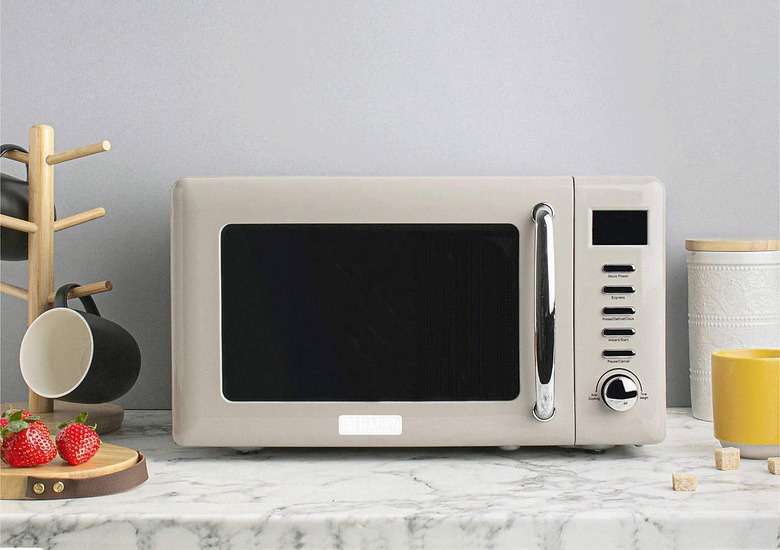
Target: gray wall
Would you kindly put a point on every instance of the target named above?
(685, 91)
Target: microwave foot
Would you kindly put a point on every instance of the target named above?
(595, 449)
(509, 447)
(248, 450)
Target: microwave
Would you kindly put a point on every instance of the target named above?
(418, 311)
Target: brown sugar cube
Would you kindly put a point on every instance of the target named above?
(773, 464)
(727, 458)
(684, 482)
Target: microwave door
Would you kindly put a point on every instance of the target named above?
(371, 313)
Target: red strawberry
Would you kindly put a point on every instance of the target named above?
(26, 415)
(25, 443)
(7, 414)
(76, 441)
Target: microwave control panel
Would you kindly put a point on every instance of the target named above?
(619, 322)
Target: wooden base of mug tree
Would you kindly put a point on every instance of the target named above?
(40, 229)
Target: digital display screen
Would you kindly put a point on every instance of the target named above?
(619, 227)
(370, 312)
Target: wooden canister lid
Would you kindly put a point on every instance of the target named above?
(715, 245)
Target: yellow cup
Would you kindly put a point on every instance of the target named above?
(746, 400)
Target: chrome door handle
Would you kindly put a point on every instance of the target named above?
(544, 332)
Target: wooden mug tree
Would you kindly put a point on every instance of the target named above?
(40, 228)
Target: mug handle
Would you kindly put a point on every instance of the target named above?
(61, 299)
(6, 147)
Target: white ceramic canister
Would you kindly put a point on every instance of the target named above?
(733, 302)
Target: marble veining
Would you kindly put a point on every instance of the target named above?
(538, 497)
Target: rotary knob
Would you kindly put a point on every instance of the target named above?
(619, 393)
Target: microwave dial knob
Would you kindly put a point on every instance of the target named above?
(619, 393)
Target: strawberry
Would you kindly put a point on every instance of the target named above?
(25, 443)
(25, 414)
(7, 414)
(76, 441)
(35, 423)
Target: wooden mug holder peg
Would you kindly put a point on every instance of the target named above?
(40, 229)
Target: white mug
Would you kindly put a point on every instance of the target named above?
(78, 356)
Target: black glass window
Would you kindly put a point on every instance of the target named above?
(369, 312)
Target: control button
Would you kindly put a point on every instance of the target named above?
(628, 289)
(628, 310)
(618, 332)
(618, 353)
(618, 268)
(619, 393)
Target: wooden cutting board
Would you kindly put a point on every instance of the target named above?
(113, 469)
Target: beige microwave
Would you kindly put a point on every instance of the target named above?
(418, 311)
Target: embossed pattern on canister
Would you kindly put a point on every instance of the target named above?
(733, 302)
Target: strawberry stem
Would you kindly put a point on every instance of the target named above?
(80, 419)
(16, 424)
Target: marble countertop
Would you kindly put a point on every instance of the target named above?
(535, 497)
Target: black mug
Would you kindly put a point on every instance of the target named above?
(78, 356)
(14, 202)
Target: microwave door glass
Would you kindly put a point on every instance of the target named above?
(370, 312)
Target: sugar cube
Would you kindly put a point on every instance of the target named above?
(727, 458)
(684, 482)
